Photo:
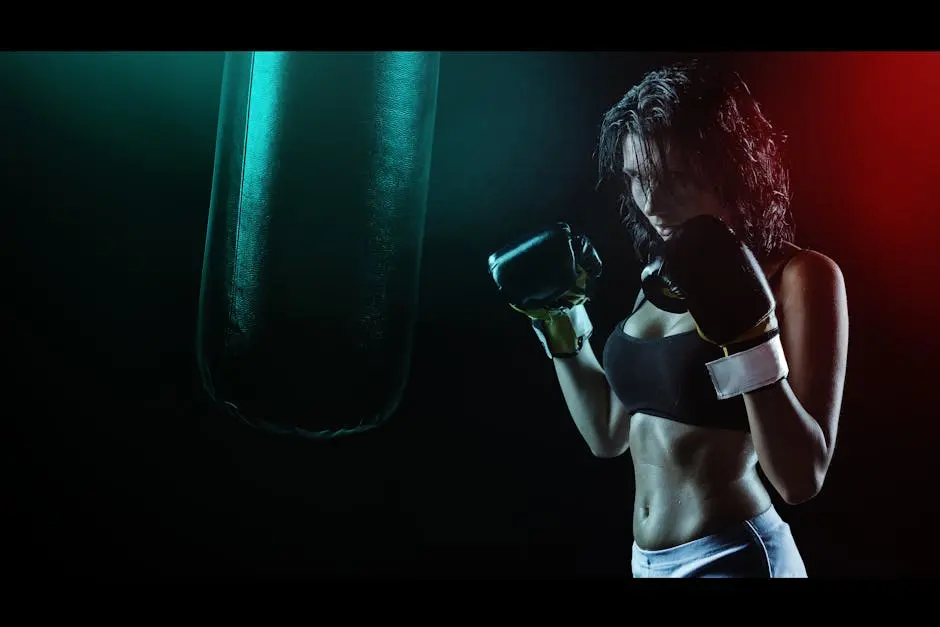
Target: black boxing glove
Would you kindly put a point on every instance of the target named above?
(549, 276)
(659, 289)
(717, 279)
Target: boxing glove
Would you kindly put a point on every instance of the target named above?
(549, 276)
(704, 268)
(659, 289)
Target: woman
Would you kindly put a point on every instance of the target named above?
(694, 151)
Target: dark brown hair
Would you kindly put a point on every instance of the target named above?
(709, 114)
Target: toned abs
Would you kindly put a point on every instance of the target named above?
(690, 482)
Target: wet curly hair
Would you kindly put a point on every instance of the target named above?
(709, 114)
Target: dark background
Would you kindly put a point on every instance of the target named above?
(121, 467)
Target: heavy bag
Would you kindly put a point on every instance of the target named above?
(316, 220)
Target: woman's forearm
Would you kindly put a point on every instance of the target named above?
(790, 444)
(587, 395)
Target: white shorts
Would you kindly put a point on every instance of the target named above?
(761, 547)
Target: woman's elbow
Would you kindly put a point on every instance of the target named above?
(614, 440)
(609, 450)
(798, 492)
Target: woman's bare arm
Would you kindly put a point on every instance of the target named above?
(597, 413)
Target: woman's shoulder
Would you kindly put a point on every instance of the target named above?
(794, 263)
(804, 272)
(804, 264)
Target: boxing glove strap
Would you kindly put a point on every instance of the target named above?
(573, 323)
(743, 345)
(749, 370)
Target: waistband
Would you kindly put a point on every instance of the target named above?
(763, 524)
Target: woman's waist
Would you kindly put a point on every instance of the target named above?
(728, 538)
(670, 511)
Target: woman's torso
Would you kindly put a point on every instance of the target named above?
(691, 481)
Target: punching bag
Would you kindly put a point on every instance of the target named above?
(310, 276)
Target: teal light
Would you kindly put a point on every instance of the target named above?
(261, 137)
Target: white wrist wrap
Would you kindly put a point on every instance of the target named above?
(580, 326)
(749, 370)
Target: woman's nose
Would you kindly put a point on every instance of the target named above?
(652, 200)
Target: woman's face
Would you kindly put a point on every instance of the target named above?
(666, 188)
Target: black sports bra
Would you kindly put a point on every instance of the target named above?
(666, 377)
